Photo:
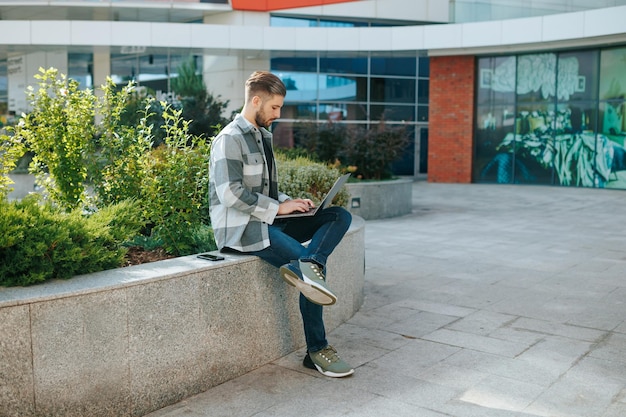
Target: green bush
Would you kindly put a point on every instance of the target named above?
(324, 142)
(367, 152)
(118, 153)
(301, 177)
(175, 186)
(372, 151)
(11, 150)
(59, 131)
(39, 241)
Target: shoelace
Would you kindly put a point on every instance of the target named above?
(329, 354)
(317, 271)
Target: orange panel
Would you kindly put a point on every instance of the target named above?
(269, 5)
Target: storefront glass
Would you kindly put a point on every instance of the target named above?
(552, 118)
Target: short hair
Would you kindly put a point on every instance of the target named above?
(264, 82)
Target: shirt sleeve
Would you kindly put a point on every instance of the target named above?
(234, 187)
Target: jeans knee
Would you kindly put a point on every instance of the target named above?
(342, 214)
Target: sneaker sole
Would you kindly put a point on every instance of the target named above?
(312, 291)
(333, 374)
(308, 363)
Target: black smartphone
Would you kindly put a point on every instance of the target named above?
(211, 257)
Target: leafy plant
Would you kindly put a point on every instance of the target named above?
(325, 142)
(59, 131)
(301, 177)
(203, 110)
(366, 152)
(372, 151)
(175, 186)
(40, 241)
(11, 150)
(118, 155)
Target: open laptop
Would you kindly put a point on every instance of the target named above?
(326, 201)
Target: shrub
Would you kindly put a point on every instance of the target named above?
(372, 151)
(175, 187)
(39, 241)
(366, 152)
(324, 142)
(59, 131)
(119, 151)
(303, 178)
(11, 150)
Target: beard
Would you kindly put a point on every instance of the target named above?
(262, 120)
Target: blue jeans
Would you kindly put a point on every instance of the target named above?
(325, 230)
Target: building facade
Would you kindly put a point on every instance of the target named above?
(490, 91)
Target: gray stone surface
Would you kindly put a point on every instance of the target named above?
(484, 301)
(372, 200)
(16, 371)
(132, 340)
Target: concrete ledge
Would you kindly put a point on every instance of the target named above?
(381, 199)
(129, 341)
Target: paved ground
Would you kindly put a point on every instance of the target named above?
(487, 300)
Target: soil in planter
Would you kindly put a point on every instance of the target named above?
(137, 255)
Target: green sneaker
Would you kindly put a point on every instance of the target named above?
(313, 289)
(313, 275)
(328, 363)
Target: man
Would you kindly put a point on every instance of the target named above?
(244, 203)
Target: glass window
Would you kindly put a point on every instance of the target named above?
(392, 113)
(343, 111)
(424, 66)
(307, 64)
(124, 68)
(153, 72)
(394, 66)
(392, 90)
(613, 74)
(355, 65)
(496, 80)
(577, 76)
(423, 91)
(80, 69)
(422, 113)
(494, 143)
(337, 23)
(299, 111)
(292, 22)
(575, 144)
(612, 121)
(334, 87)
(536, 77)
(301, 86)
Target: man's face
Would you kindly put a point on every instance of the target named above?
(268, 110)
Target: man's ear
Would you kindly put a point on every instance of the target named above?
(257, 101)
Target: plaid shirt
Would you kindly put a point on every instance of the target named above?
(239, 187)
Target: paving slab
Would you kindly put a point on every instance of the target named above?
(486, 300)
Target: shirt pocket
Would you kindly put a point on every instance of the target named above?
(253, 170)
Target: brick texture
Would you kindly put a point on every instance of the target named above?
(451, 121)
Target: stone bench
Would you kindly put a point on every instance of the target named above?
(129, 341)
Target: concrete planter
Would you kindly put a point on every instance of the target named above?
(132, 340)
(380, 199)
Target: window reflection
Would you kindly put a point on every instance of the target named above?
(565, 125)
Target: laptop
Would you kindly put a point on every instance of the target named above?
(326, 201)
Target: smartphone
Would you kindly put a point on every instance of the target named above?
(211, 257)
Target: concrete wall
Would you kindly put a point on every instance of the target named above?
(380, 199)
(129, 341)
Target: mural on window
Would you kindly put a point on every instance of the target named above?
(539, 119)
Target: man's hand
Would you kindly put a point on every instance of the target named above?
(299, 204)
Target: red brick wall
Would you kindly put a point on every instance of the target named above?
(450, 119)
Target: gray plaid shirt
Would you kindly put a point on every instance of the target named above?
(240, 206)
